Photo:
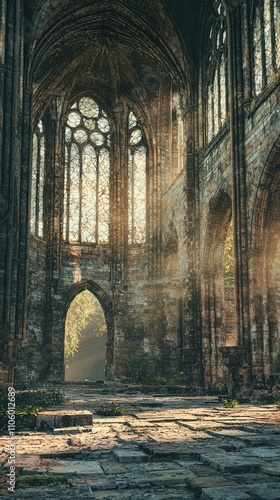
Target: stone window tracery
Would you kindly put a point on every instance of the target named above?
(137, 188)
(266, 42)
(87, 173)
(216, 71)
(37, 181)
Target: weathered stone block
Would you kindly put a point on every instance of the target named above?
(63, 418)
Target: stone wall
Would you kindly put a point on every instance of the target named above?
(164, 300)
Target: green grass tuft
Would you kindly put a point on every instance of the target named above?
(110, 410)
(229, 403)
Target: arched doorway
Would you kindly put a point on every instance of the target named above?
(85, 339)
(265, 273)
(218, 297)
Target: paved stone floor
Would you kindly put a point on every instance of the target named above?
(164, 448)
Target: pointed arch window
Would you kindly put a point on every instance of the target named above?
(137, 182)
(266, 42)
(37, 181)
(87, 173)
(216, 71)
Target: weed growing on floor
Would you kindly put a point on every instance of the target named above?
(40, 481)
(110, 410)
(229, 403)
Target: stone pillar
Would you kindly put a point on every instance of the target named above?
(2, 75)
(240, 229)
(11, 70)
(118, 234)
(193, 333)
(24, 212)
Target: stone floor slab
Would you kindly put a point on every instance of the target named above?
(262, 440)
(271, 468)
(162, 466)
(74, 467)
(128, 456)
(151, 494)
(265, 452)
(113, 468)
(230, 433)
(202, 425)
(265, 491)
(171, 478)
(52, 493)
(230, 463)
(224, 493)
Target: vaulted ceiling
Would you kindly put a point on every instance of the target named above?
(110, 44)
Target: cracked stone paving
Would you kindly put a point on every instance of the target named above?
(163, 448)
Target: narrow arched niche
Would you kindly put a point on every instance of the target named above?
(85, 339)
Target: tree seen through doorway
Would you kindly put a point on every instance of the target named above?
(85, 339)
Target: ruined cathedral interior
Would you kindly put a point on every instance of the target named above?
(140, 165)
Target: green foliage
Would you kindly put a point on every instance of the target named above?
(24, 481)
(270, 399)
(229, 403)
(137, 367)
(218, 389)
(27, 403)
(165, 381)
(141, 367)
(229, 258)
(84, 310)
(110, 410)
(229, 281)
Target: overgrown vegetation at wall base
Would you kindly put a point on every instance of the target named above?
(165, 381)
(218, 389)
(270, 399)
(27, 403)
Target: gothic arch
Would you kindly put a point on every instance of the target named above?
(220, 207)
(266, 196)
(218, 312)
(265, 274)
(106, 305)
(171, 239)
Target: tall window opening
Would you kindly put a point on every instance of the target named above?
(266, 42)
(216, 77)
(137, 182)
(87, 173)
(37, 182)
